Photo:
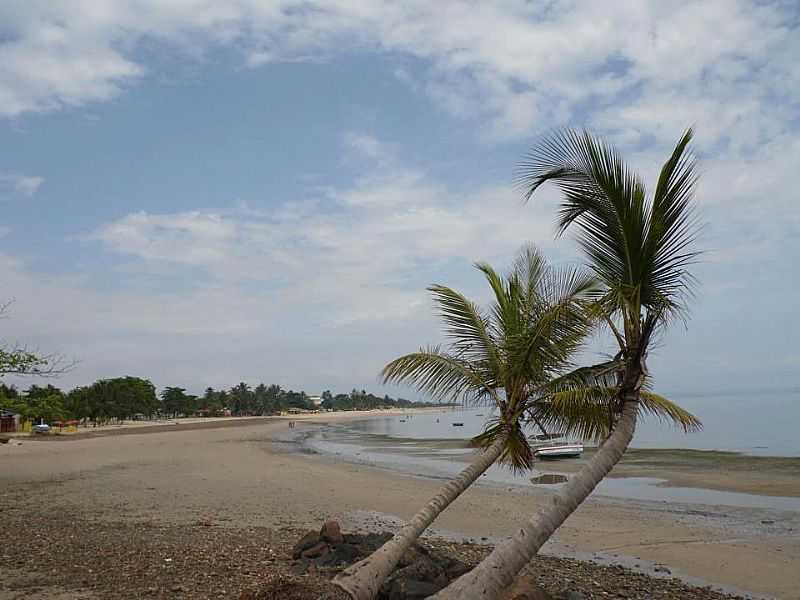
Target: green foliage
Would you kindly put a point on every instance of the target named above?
(584, 412)
(113, 399)
(175, 401)
(639, 247)
(508, 354)
(18, 361)
(361, 400)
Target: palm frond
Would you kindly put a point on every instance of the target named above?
(599, 375)
(582, 412)
(668, 411)
(638, 248)
(465, 324)
(438, 374)
(673, 228)
(586, 411)
(517, 454)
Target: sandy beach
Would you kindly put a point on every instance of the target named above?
(250, 474)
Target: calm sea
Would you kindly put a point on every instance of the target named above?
(758, 423)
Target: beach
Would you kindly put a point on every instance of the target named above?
(240, 476)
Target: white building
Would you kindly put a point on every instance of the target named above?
(315, 400)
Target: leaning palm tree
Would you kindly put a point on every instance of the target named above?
(505, 357)
(639, 248)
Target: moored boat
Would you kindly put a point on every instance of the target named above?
(555, 445)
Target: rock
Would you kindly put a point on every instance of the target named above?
(422, 569)
(341, 554)
(304, 543)
(525, 588)
(411, 589)
(331, 533)
(572, 595)
(372, 541)
(410, 556)
(662, 569)
(452, 567)
(317, 550)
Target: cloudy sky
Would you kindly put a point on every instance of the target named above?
(204, 192)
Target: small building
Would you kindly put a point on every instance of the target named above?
(9, 421)
(316, 400)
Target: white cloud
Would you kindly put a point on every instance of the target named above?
(525, 66)
(22, 184)
(317, 294)
(377, 235)
(355, 259)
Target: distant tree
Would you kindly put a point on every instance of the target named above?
(120, 398)
(212, 402)
(77, 403)
(174, 401)
(274, 399)
(242, 399)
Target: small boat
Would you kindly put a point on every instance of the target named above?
(402, 420)
(458, 424)
(555, 445)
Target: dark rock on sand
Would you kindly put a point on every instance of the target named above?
(331, 533)
(304, 543)
(411, 589)
(316, 551)
(419, 574)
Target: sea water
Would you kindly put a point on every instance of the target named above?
(755, 423)
(429, 444)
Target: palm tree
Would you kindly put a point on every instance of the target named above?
(504, 357)
(639, 248)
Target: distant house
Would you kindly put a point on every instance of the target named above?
(9, 421)
(315, 400)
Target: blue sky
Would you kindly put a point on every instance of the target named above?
(202, 192)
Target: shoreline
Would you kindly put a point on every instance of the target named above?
(196, 423)
(251, 476)
(776, 478)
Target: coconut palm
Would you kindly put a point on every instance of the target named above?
(506, 357)
(639, 248)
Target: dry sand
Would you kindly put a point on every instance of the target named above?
(248, 475)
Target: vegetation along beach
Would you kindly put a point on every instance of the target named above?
(454, 300)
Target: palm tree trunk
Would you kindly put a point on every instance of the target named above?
(363, 579)
(497, 572)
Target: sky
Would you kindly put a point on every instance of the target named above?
(203, 192)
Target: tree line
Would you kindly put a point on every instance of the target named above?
(126, 398)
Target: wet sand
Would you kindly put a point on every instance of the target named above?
(252, 475)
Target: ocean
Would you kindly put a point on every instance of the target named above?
(756, 423)
(427, 444)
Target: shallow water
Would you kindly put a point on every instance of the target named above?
(421, 445)
(756, 423)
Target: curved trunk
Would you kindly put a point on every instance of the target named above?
(497, 572)
(363, 579)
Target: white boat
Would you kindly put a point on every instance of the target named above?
(555, 445)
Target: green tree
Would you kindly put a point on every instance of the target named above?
(119, 398)
(639, 247)
(174, 401)
(77, 403)
(242, 399)
(506, 356)
(212, 402)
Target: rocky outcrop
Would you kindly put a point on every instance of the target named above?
(420, 573)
